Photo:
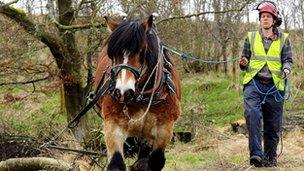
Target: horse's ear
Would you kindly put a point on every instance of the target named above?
(147, 24)
(111, 24)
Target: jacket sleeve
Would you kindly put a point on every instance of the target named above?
(246, 53)
(286, 55)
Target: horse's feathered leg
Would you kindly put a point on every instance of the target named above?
(157, 157)
(157, 160)
(141, 164)
(114, 138)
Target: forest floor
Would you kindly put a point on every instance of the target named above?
(231, 153)
(216, 149)
(28, 120)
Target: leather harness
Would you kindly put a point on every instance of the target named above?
(162, 86)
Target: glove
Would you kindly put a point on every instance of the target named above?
(286, 73)
(243, 63)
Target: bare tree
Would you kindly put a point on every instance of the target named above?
(62, 43)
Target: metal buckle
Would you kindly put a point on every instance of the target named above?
(91, 96)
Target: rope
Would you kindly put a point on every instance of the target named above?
(272, 91)
(153, 90)
(186, 57)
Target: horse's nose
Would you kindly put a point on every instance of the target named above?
(116, 94)
(129, 96)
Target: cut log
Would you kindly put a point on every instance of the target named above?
(35, 163)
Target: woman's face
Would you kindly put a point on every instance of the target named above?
(266, 20)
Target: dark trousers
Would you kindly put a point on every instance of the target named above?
(270, 112)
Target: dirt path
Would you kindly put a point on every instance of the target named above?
(231, 153)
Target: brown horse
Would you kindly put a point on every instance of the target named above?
(144, 91)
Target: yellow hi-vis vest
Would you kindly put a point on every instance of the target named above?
(259, 58)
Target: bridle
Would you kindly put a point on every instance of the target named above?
(138, 73)
(117, 68)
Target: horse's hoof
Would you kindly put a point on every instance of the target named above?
(140, 165)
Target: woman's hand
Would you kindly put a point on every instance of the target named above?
(244, 61)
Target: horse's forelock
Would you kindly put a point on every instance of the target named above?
(153, 48)
(128, 36)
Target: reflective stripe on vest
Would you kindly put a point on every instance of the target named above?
(259, 58)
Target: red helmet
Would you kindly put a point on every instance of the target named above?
(268, 7)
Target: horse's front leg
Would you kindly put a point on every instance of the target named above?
(163, 134)
(114, 138)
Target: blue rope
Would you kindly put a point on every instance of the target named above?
(272, 91)
(186, 57)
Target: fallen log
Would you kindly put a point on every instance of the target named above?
(34, 163)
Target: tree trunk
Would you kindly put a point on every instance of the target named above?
(234, 55)
(71, 69)
(63, 48)
(224, 52)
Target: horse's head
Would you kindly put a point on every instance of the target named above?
(133, 48)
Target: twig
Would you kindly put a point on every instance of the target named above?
(76, 27)
(87, 152)
(25, 82)
(250, 167)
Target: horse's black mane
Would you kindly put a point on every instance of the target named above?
(131, 37)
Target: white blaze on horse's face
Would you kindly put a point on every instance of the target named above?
(125, 79)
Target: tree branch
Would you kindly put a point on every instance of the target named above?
(25, 82)
(80, 26)
(38, 31)
(76, 27)
(204, 13)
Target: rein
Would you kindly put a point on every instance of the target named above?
(99, 92)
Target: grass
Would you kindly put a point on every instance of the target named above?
(216, 99)
(210, 101)
(189, 160)
(30, 113)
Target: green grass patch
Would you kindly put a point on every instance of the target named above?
(188, 160)
(52, 103)
(217, 101)
(32, 114)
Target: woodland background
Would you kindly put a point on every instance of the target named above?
(48, 55)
